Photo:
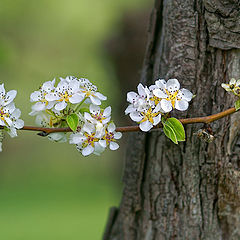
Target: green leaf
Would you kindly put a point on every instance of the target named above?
(72, 121)
(83, 110)
(237, 104)
(177, 127)
(169, 132)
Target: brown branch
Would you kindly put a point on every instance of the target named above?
(207, 119)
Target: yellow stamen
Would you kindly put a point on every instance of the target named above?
(90, 139)
(172, 97)
(64, 97)
(148, 116)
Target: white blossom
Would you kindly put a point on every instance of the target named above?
(90, 91)
(233, 86)
(66, 92)
(98, 115)
(110, 136)
(144, 109)
(9, 114)
(53, 105)
(147, 118)
(87, 140)
(45, 120)
(42, 103)
(138, 101)
(172, 96)
(6, 98)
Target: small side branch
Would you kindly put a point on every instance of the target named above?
(184, 121)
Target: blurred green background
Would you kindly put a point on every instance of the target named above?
(48, 190)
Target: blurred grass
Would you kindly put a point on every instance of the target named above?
(47, 190)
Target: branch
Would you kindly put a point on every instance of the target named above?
(184, 121)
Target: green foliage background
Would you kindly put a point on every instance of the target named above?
(47, 190)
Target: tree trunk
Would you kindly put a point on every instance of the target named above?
(191, 190)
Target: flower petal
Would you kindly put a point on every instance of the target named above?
(130, 109)
(88, 127)
(52, 97)
(87, 150)
(74, 85)
(232, 81)
(181, 105)
(172, 85)
(104, 121)
(111, 127)
(60, 106)
(152, 87)
(159, 93)
(100, 96)
(226, 87)
(10, 108)
(98, 149)
(113, 146)
(94, 109)
(76, 138)
(16, 113)
(88, 117)
(157, 119)
(19, 123)
(145, 126)
(103, 143)
(48, 86)
(185, 94)
(76, 98)
(117, 135)
(35, 96)
(50, 105)
(136, 116)
(132, 97)
(161, 83)
(12, 132)
(57, 137)
(39, 106)
(107, 112)
(95, 100)
(10, 96)
(141, 90)
(166, 105)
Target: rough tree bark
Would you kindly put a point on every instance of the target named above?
(190, 190)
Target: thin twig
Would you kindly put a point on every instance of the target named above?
(206, 119)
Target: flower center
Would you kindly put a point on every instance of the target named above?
(3, 115)
(65, 97)
(90, 139)
(109, 137)
(99, 116)
(148, 116)
(88, 93)
(172, 97)
(155, 99)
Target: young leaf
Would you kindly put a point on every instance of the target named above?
(237, 104)
(169, 132)
(177, 127)
(83, 110)
(72, 121)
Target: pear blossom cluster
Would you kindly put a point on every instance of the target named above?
(150, 104)
(233, 86)
(55, 100)
(97, 133)
(9, 114)
(69, 90)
